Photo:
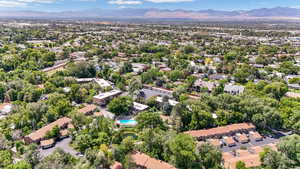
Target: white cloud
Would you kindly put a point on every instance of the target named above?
(169, 1)
(37, 1)
(10, 4)
(87, 0)
(125, 2)
(21, 3)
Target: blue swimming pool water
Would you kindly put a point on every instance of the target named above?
(127, 122)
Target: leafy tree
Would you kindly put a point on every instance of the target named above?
(5, 158)
(288, 67)
(150, 120)
(82, 70)
(182, 151)
(54, 133)
(231, 56)
(188, 49)
(82, 142)
(58, 159)
(3, 89)
(135, 85)
(126, 68)
(153, 142)
(19, 165)
(244, 74)
(120, 151)
(276, 89)
(200, 119)
(175, 75)
(209, 156)
(240, 165)
(121, 105)
(99, 159)
(32, 155)
(273, 159)
(150, 76)
(290, 147)
(228, 117)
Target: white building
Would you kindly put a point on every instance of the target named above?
(138, 107)
(103, 98)
(103, 83)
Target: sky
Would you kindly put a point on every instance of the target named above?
(77, 5)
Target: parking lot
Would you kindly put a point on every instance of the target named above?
(63, 144)
(150, 93)
(251, 143)
(266, 140)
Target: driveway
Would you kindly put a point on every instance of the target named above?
(63, 144)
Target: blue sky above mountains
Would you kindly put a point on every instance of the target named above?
(66, 5)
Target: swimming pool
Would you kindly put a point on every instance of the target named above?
(127, 122)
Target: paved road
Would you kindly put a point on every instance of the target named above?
(63, 144)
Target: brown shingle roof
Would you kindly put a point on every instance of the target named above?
(227, 156)
(39, 134)
(148, 162)
(229, 141)
(116, 165)
(98, 114)
(221, 130)
(242, 153)
(88, 109)
(47, 142)
(256, 135)
(250, 161)
(242, 138)
(215, 142)
(64, 132)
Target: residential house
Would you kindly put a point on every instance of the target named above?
(47, 143)
(84, 80)
(104, 98)
(229, 141)
(117, 165)
(75, 55)
(215, 142)
(146, 162)
(217, 77)
(255, 135)
(39, 135)
(88, 110)
(138, 107)
(199, 84)
(242, 138)
(5, 108)
(219, 132)
(103, 83)
(171, 102)
(234, 89)
(139, 67)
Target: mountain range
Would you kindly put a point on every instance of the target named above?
(278, 13)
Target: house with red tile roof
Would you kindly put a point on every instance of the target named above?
(147, 162)
(39, 135)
